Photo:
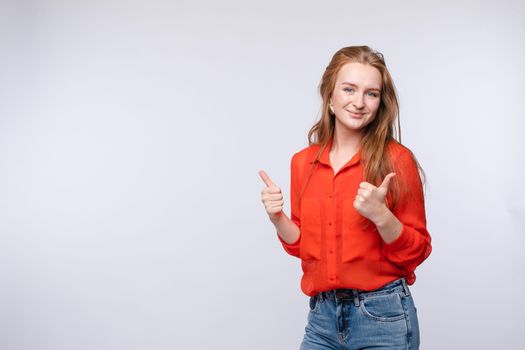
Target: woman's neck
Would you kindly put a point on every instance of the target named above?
(348, 143)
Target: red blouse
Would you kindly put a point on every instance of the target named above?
(335, 250)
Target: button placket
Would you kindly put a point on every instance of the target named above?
(330, 220)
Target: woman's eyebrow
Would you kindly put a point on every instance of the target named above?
(348, 83)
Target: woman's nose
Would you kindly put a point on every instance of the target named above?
(359, 102)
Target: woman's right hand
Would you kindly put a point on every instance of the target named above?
(272, 197)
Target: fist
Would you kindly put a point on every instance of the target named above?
(370, 200)
(271, 196)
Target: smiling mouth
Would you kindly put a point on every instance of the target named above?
(357, 115)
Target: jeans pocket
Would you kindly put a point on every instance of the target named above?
(384, 307)
(314, 303)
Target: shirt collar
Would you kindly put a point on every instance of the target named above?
(325, 156)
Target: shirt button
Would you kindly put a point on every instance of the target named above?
(332, 278)
(330, 223)
(331, 252)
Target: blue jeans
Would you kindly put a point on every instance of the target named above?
(350, 319)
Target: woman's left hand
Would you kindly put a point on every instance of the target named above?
(370, 200)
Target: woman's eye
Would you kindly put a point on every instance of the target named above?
(348, 89)
(375, 94)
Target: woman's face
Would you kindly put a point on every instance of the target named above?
(356, 96)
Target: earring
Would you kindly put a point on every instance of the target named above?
(331, 107)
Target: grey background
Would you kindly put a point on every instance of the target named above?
(132, 133)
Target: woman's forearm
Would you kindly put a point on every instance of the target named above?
(388, 226)
(286, 228)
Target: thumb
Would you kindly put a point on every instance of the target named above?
(386, 181)
(266, 178)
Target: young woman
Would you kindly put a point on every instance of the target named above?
(357, 212)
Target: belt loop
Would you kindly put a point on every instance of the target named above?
(356, 297)
(405, 287)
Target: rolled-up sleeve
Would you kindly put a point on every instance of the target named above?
(295, 208)
(413, 245)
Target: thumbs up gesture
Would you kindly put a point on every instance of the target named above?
(370, 200)
(271, 196)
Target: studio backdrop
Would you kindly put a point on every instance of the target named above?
(132, 134)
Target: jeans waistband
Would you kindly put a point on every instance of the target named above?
(355, 295)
